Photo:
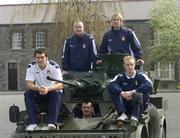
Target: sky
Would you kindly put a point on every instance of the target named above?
(2, 2)
(5, 2)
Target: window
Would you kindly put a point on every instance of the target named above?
(166, 71)
(12, 76)
(16, 40)
(40, 39)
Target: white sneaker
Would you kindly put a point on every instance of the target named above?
(45, 128)
(134, 118)
(51, 126)
(122, 117)
(31, 127)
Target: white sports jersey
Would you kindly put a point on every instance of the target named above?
(39, 76)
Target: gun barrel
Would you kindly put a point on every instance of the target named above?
(61, 81)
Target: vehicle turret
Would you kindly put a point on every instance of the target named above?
(83, 87)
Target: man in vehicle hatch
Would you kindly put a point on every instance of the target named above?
(86, 109)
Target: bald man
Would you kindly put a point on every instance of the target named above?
(79, 52)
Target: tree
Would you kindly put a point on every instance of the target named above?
(90, 12)
(68, 11)
(165, 21)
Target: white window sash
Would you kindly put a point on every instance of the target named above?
(164, 68)
(40, 39)
(16, 40)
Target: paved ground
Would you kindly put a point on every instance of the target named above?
(173, 112)
(6, 100)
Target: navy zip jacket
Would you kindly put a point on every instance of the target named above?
(79, 53)
(140, 83)
(123, 41)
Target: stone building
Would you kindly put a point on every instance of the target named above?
(21, 35)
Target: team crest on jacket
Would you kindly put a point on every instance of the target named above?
(84, 46)
(136, 82)
(48, 72)
(123, 38)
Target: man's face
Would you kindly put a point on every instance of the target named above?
(41, 60)
(116, 23)
(129, 66)
(87, 109)
(78, 28)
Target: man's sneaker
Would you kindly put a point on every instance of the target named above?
(134, 118)
(31, 127)
(45, 128)
(122, 117)
(51, 127)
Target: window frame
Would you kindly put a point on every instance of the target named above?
(20, 31)
(35, 37)
(168, 67)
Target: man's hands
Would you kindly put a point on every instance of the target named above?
(140, 61)
(98, 62)
(43, 90)
(127, 95)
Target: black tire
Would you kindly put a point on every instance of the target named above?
(154, 122)
(144, 133)
(163, 133)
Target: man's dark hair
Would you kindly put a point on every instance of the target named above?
(87, 101)
(40, 51)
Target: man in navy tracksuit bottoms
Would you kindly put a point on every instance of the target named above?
(121, 40)
(79, 52)
(40, 89)
(130, 90)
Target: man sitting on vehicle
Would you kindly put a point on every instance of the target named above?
(40, 90)
(129, 90)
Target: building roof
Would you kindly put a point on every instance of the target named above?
(42, 13)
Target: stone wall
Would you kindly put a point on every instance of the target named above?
(21, 56)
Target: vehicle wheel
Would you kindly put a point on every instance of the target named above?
(154, 123)
(144, 133)
(141, 132)
(163, 134)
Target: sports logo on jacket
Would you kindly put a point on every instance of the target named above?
(48, 72)
(84, 46)
(136, 82)
(123, 38)
(71, 46)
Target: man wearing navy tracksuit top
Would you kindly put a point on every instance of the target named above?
(126, 90)
(79, 52)
(121, 40)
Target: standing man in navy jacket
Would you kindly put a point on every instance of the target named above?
(129, 90)
(121, 40)
(79, 52)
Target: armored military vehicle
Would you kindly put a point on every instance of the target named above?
(152, 123)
